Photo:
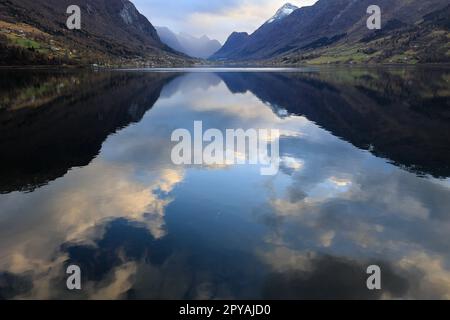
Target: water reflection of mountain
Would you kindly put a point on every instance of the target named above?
(402, 115)
(65, 127)
(54, 121)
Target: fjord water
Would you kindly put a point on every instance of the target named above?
(86, 178)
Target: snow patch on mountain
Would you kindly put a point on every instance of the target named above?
(283, 12)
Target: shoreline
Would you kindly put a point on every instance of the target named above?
(221, 67)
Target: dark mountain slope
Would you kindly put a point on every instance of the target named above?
(426, 41)
(327, 23)
(111, 31)
(234, 41)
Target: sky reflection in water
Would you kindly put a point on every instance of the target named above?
(141, 227)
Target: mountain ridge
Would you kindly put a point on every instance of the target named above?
(197, 47)
(283, 12)
(235, 40)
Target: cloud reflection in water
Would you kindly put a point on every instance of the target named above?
(140, 227)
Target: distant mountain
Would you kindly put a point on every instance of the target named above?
(283, 12)
(202, 47)
(169, 38)
(112, 31)
(337, 30)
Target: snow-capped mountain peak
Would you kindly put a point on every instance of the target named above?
(283, 12)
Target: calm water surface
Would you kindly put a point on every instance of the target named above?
(86, 178)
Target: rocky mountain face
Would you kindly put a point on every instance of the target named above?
(334, 24)
(112, 31)
(202, 47)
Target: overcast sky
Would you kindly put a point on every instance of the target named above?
(215, 18)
